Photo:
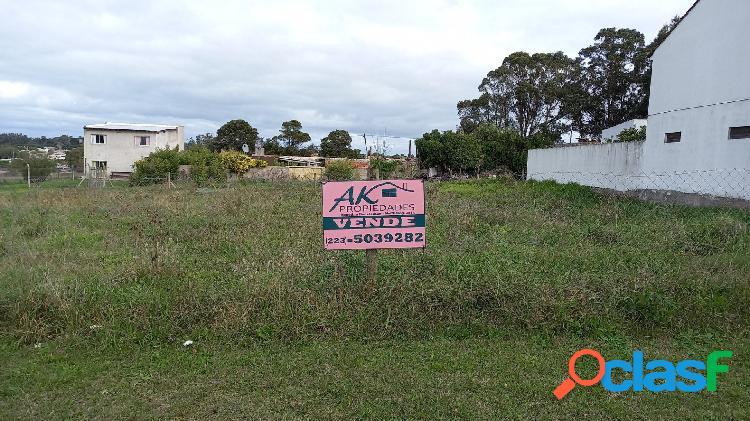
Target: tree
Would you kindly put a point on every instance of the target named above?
(526, 92)
(663, 34)
(273, 147)
(7, 152)
(201, 140)
(464, 152)
(234, 134)
(39, 166)
(291, 135)
(483, 110)
(309, 150)
(612, 83)
(338, 144)
(431, 150)
(74, 158)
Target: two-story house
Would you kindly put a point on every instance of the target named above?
(114, 147)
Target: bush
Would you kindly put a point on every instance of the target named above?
(631, 135)
(239, 163)
(206, 166)
(486, 147)
(340, 170)
(156, 166)
(391, 168)
(386, 168)
(40, 167)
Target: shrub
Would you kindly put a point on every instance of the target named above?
(631, 135)
(391, 168)
(340, 170)
(151, 169)
(206, 166)
(40, 167)
(386, 168)
(487, 147)
(239, 163)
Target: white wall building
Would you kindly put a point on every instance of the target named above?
(611, 133)
(700, 91)
(698, 133)
(116, 146)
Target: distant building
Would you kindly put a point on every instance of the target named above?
(611, 133)
(115, 147)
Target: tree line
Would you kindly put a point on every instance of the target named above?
(533, 100)
(291, 140)
(23, 141)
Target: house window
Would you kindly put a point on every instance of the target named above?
(98, 139)
(142, 140)
(673, 137)
(99, 165)
(739, 132)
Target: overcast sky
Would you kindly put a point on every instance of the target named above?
(364, 66)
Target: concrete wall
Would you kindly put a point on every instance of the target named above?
(120, 150)
(618, 158)
(285, 173)
(603, 165)
(624, 167)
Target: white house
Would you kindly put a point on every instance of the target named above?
(698, 131)
(611, 133)
(116, 146)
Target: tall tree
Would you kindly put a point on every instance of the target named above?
(338, 144)
(291, 134)
(526, 92)
(612, 84)
(234, 134)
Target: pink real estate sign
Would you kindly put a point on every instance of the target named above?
(375, 214)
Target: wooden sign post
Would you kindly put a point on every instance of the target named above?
(373, 214)
(371, 255)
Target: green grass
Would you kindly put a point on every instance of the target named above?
(497, 377)
(515, 278)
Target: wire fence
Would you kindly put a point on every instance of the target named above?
(21, 177)
(731, 183)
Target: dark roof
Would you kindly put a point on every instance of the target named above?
(676, 25)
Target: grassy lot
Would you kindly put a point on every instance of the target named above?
(516, 277)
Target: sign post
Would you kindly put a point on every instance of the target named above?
(371, 255)
(374, 214)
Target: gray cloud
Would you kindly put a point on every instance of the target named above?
(362, 66)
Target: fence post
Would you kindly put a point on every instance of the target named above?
(371, 255)
(28, 174)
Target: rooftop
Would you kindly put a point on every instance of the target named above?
(131, 127)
